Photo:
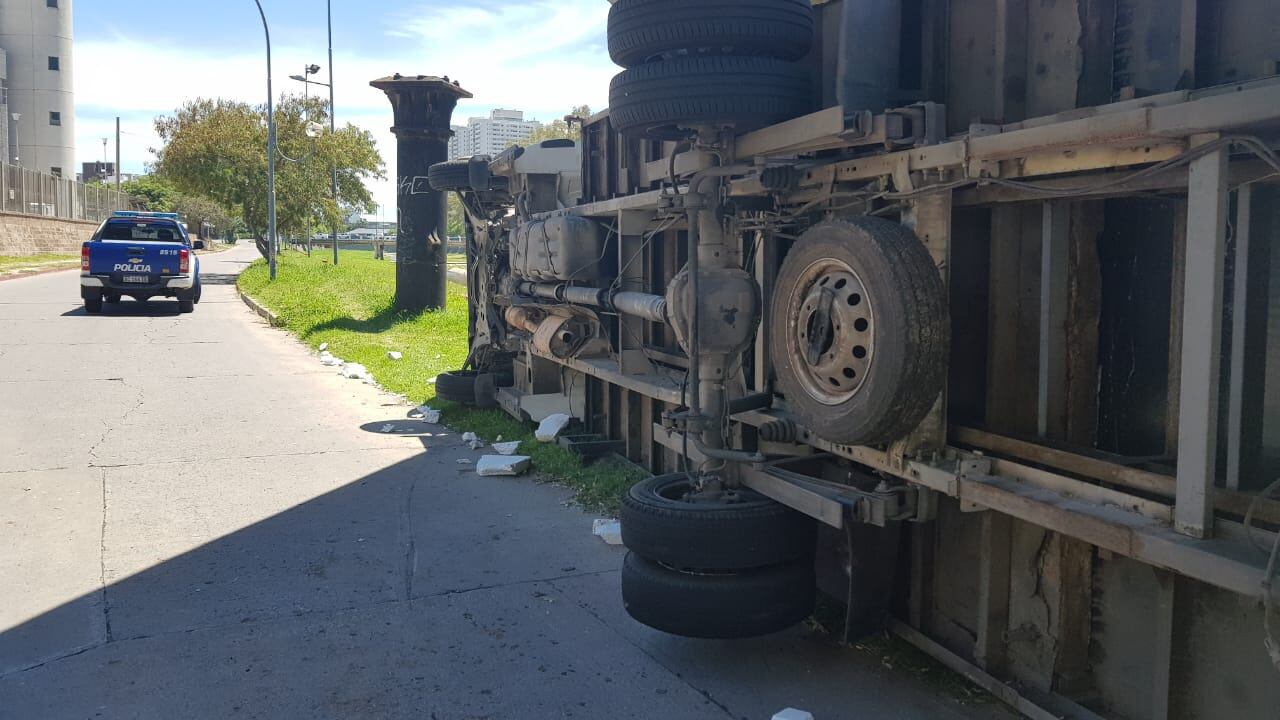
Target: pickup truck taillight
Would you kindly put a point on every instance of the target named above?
(84, 258)
(184, 260)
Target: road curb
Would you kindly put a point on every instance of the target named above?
(271, 318)
(35, 271)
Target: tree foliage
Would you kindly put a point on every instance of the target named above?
(560, 128)
(151, 193)
(157, 194)
(218, 148)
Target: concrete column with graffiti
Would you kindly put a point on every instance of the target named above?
(422, 106)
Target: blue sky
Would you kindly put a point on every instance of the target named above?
(140, 58)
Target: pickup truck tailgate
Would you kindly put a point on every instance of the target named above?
(137, 262)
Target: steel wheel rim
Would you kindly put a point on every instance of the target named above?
(830, 331)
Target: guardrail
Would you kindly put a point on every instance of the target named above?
(378, 245)
(29, 192)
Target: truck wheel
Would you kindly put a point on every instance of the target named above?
(111, 297)
(198, 291)
(466, 387)
(451, 175)
(663, 520)
(663, 100)
(862, 331)
(724, 605)
(644, 30)
(93, 303)
(186, 305)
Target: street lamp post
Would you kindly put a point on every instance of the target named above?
(271, 153)
(333, 110)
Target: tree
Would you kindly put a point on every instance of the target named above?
(561, 128)
(153, 194)
(196, 211)
(218, 148)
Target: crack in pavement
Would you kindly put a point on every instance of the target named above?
(706, 694)
(411, 548)
(102, 562)
(141, 399)
(282, 618)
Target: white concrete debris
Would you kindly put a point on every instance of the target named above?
(552, 426)
(324, 346)
(464, 461)
(490, 465)
(431, 381)
(793, 714)
(507, 448)
(472, 440)
(329, 360)
(394, 355)
(426, 413)
(610, 531)
(355, 371)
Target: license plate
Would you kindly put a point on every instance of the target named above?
(144, 279)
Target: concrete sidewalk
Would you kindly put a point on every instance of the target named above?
(197, 522)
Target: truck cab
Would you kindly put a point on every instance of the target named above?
(142, 255)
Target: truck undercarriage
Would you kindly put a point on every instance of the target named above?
(1011, 343)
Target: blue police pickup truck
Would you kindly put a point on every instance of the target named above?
(142, 255)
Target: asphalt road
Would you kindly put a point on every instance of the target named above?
(193, 524)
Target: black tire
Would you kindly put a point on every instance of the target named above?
(111, 297)
(751, 532)
(467, 387)
(93, 303)
(451, 175)
(186, 305)
(909, 332)
(198, 291)
(717, 606)
(644, 30)
(662, 100)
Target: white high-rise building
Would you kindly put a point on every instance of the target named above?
(35, 36)
(491, 135)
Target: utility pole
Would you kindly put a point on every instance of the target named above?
(333, 110)
(117, 158)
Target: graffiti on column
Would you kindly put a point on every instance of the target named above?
(414, 185)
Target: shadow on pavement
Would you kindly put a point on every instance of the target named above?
(128, 307)
(419, 590)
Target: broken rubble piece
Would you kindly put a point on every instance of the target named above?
(551, 426)
(426, 413)
(329, 360)
(507, 448)
(354, 371)
(469, 436)
(491, 465)
(793, 714)
(464, 461)
(610, 531)
(431, 381)
(393, 355)
(324, 346)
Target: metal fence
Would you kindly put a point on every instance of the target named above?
(29, 192)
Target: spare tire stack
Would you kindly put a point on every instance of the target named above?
(714, 63)
(730, 565)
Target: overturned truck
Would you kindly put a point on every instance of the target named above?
(961, 312)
